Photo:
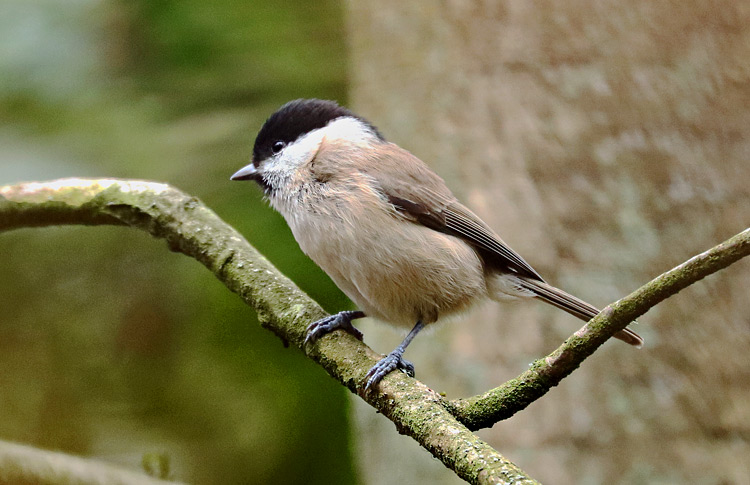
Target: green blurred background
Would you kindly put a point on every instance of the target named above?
(110, 345)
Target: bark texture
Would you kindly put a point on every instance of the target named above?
(191, 228)
(605, 142)
(442, 427)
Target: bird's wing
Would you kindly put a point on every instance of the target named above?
(421, 196)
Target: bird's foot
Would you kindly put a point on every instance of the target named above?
(341, 320)
(394, 360)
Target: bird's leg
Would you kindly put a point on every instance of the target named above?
(341, 320)
(394, 360)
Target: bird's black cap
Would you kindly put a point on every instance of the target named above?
(295, 119)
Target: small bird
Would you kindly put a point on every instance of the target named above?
(386, 228)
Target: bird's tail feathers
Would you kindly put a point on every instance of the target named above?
(574, 306)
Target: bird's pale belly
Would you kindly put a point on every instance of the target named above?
(422, 276)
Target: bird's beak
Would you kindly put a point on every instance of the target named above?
(248, 172)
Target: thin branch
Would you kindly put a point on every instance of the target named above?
(191, 228)
(20, 464)
(503, 402)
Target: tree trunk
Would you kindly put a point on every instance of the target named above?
(605, 142)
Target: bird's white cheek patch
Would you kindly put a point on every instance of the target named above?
(297, 154)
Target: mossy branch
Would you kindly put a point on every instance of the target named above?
(504, 401)
(191, 228)
(442, 427)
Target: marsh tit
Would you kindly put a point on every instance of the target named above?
(386, 228)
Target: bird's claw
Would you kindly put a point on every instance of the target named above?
(390, 362)
(341, 320)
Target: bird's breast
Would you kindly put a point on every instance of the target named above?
(393, 269)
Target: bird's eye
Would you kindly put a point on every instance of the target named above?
(277, 146)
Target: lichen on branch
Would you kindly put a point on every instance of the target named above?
(191, 228)
(441, 426)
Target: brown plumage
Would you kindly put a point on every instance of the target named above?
(422, 197)
(385, 227)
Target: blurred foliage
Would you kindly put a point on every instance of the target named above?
(111, 345)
